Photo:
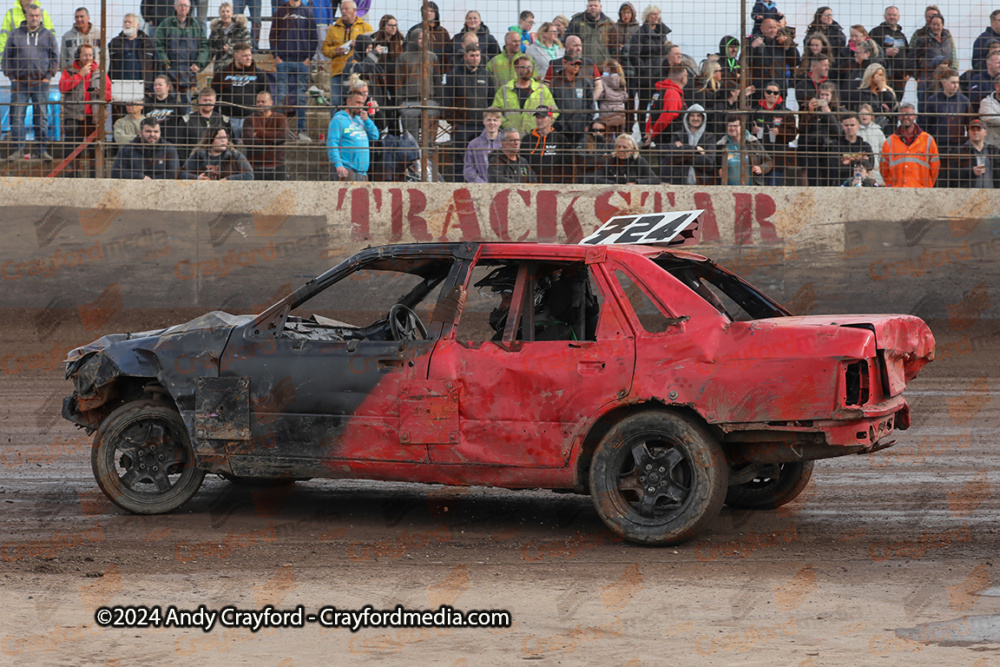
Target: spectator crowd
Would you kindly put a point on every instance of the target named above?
(581, 99)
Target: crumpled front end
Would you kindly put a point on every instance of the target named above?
(122, 367)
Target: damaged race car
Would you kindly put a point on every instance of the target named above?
(645, 375)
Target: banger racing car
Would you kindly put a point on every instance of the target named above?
(645, 375)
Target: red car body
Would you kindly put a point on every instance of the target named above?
(275, 395)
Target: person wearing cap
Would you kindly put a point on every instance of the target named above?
(574, 52)
(729, 56)
(517, 114)
(506, 164)
(975, 164)
(574, 95)
(548, 152)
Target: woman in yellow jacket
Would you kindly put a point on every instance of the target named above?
(339, 45)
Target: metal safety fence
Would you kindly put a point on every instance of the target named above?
(721, 92)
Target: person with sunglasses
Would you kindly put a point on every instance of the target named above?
(774, 126)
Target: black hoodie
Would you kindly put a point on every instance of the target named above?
(440, 40)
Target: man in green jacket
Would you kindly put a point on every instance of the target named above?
(181, 47)
(15, 16)
(508, 97)
(501, 66)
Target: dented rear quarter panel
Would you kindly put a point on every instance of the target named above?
(769, 370)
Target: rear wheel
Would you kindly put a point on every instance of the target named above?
(143, 459)
(658, 478)
(774, 485)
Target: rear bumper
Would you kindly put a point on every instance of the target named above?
(854, 431)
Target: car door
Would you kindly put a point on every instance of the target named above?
(522, 401)
(324, 404)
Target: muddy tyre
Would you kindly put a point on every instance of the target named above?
(768, 490)
(658, 478)
(143, 460)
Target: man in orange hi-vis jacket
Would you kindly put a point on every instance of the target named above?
(910, 155)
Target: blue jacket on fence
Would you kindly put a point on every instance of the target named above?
(347, 141)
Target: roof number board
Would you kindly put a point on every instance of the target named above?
(648, 228)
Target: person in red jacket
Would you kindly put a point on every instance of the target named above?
(79, 87)
(671, 92)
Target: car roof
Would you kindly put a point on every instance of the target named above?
(514, 250)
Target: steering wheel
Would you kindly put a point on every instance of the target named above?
(405, 324)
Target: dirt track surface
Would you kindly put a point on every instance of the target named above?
(881, 562)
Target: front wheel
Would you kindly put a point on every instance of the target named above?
(658, 478)
(143, 459)
(772, 486)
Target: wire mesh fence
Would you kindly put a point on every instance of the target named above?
(719, 92)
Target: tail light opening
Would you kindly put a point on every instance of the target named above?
(857, 383)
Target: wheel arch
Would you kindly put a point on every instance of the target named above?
(123, 389)
(606, 421)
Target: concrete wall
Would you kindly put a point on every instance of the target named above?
(92, 246)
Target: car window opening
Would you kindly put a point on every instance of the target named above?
(731, 296)
(366, 295)
(560, 302)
